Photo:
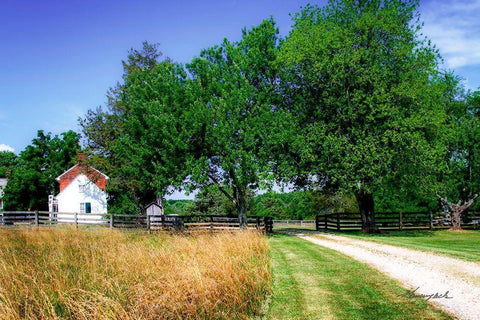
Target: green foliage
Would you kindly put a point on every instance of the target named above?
(179, 207)
(327, 202)
(293, 205)
(366, 98)
(8, 161)
(300, 205)
(297, 205)
(162, 126)
(352, 102)
(209, 201)
(141, 139)
(123, 201)
(234, 89)
(461, 179)
(32, 180)
(151, 148)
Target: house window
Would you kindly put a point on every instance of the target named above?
(81, 188)
(85, 207)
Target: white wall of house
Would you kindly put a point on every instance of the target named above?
(82, 190)
(3, 184)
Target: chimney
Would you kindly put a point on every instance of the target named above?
(81, 158)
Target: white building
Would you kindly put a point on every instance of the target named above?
(82, 190)
(3, 184)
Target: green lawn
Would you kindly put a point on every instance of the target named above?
(462, 245)
(313, 282)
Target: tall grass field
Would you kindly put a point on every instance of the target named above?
(110, 274)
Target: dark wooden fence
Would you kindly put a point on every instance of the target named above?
(113, 220)
(346, 221)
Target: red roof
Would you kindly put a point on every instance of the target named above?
(93, 174)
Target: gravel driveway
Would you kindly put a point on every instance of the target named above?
(456, 282)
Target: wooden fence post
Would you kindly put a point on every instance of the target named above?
(338, 221)
(316, 223)
(211, 222)
(36, 218)
(400, 222)
(268, 224)
(326, 221)
(75, 218)
(111, 220)
(178, 224)
(148, 223)
(431, 220)
(162, 217)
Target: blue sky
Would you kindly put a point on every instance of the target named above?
(58, 58)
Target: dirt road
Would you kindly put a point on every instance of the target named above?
(451, 284)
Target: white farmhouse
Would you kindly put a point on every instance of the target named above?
(3, 184)
(82, 190)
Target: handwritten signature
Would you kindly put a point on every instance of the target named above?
(436, 295)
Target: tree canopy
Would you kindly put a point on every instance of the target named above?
(234, 86)
(366, 95)
(461, 180)
(201, 126)
(32, 180)
(352, 102)
(141, 136)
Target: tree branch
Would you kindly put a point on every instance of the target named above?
(220, 187)
(459, 206)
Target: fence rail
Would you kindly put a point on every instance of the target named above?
(113, 220)
(294, 223)
(347, 221)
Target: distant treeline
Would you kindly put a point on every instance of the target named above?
(295, 205)
(292, 205)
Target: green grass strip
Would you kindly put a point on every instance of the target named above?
(313, 282)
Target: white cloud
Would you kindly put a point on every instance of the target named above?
(454, 26)
(4, 147)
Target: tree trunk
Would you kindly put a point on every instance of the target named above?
(241, 210)
(241, 206)
(159, 201)
(456, 219)
(456, 210)
(366, 207)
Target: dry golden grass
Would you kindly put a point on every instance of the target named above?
(108, 274)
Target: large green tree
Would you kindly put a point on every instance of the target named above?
(464, 148)
(151, 150)
(472, 143)
(364, 93)
(460, 181)
(32, 180)
(234, 92)
(140, 138)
